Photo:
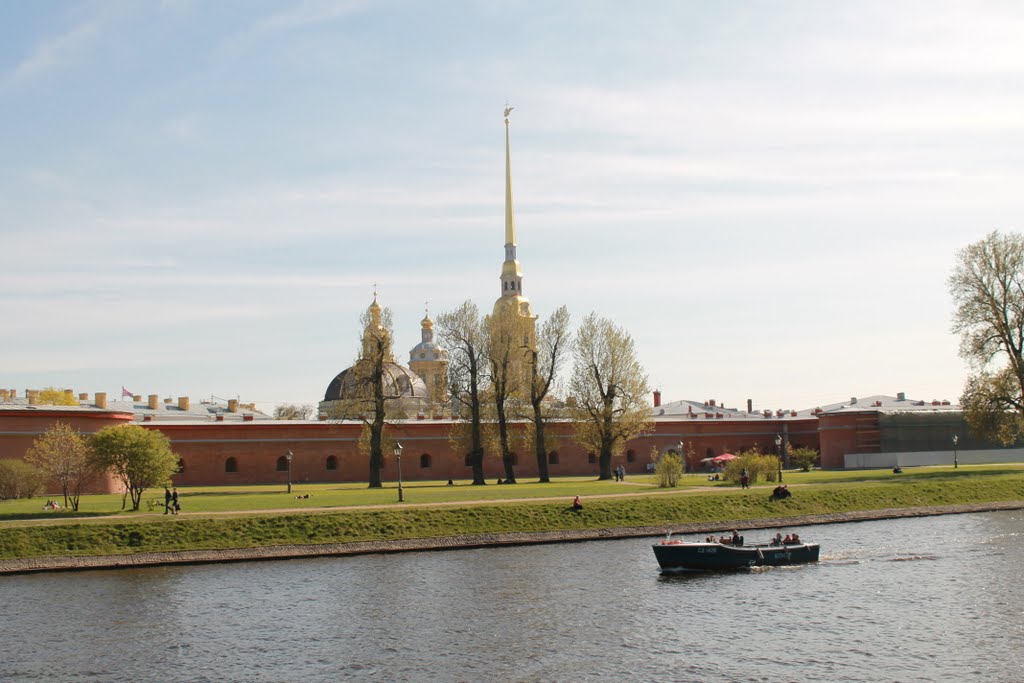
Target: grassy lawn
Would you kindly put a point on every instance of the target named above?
(158, 533)
(243, 499)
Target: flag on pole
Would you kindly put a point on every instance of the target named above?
(125, 392)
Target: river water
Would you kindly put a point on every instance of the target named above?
(929, 599)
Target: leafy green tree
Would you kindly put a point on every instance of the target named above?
(987, 286)
(139, 458)
(610, 390)
(19, 479)
(66, 457)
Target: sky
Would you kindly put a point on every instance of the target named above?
(199, 199)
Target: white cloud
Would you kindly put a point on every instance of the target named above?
(55, 52)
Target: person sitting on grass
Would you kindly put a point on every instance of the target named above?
(576, 504)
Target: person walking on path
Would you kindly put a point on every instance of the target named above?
(167, 500)
(175, 506)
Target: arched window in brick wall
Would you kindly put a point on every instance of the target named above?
(710, 453)
(331, 463)
(515, 459)
(230, 465)
(282, 464)
(469, 459)
(425, 461)
(630, 456)
(591, 458)
(553, 458)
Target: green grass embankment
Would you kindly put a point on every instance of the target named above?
(158, 533)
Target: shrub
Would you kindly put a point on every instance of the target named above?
(18, 479)
(804, 458)
(758, 465)
(668, 470)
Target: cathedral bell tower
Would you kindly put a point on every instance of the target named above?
(512, 298)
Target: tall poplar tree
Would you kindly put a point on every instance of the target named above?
(462, 332)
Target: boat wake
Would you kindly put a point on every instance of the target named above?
(912, 558)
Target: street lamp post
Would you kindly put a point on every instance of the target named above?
(778, 454)
(288, 456)
(956, 440)
(398, 457)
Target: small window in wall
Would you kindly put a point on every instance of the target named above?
(469, 459)
(181, 467)
(282, 464)
(553, 458)
(591, 458)
(332, 462)
(515, 459)
(630, 456)
(230, 465)
(425, 461)
(710, 452)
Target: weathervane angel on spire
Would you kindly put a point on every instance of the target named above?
(508, 110)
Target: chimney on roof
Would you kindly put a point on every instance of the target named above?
(233, 405)
(183, 403)
(137, 398)
(154, 401)
(168, 401)
(900, 396)
(711, 402)
(657, 398)
(33, 397)
(83, 397)
(750, 405)
(3, 396)
(69, 393)
(101, 400)
(853, 400)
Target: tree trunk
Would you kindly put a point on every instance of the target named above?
(538, 445)
(506, 454)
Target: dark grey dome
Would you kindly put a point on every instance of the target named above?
(399, 381)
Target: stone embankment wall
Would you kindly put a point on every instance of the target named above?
(67, 563)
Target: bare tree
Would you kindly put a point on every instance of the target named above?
(987, 286)
(462, 332)
(65, 456)
(289, 411)
(509, 339)
(545, 359)
(610, 390)
(372, 388)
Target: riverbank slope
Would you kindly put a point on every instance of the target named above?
(157, 540)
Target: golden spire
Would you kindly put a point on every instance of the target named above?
(510, 220)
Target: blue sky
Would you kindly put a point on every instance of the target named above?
(197, 198)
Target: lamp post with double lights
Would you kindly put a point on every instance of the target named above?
(956, 440)
(398, 457)
(288, 456)
(679, 452)
(778, 454)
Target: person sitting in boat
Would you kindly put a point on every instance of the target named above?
(795, 540)
(736, 538)
(787, 540)
(576, 504)
(777, 540)
(709, 539)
